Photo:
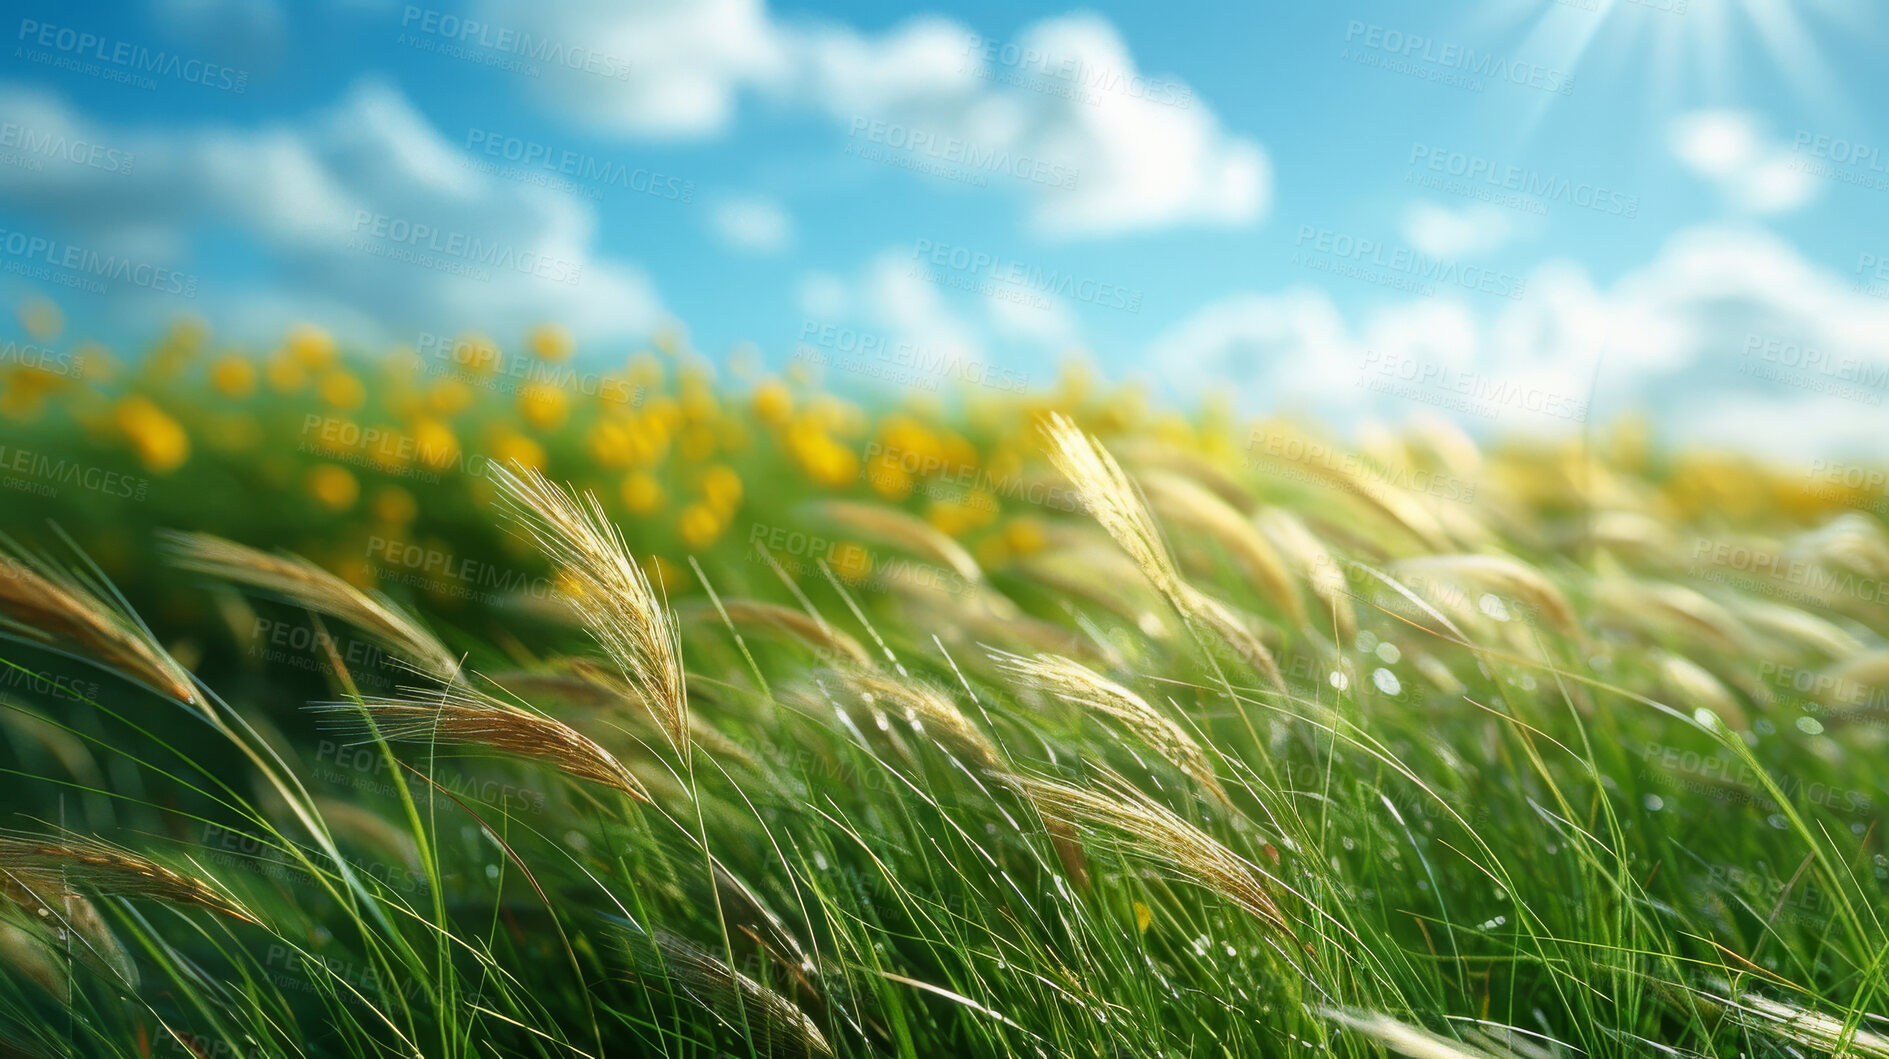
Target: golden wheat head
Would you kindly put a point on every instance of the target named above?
(606, 587)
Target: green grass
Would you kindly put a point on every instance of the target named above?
(1520, 836)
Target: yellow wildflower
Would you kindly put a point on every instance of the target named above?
(332, 486)
(160, 440)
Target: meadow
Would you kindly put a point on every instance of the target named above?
(475, 701)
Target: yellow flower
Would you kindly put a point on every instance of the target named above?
(341, 390)
(699, 527)
(234, 376)
(698, 444)
(1025, 536)
(161, 442)
(475, 353)
(773, 403)
(721, 489)
(42, 318)
(642, 493)
(332, 486)
(509, 447)
(310, 346)
(434, 443)
(609, 444)
(395, 505)
(543, 405)
(666, 410)
(550, 342)
(888, 478)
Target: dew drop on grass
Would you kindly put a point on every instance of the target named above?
(1367, 640)
(1339, 680)
(1231, 951)
(1493, 923)
(491, 871)
(1810, 726)
(1778, 821)
(1386, 681)
(1389, 653)
(1653, 802)
(1763, 726)
(819, 860)
(1492, 605)
(1706, 718)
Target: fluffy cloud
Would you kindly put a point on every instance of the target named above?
(671, 69)
(754, 224)
(1727, 336)
(1063, 115)
(1730, 149)
(362, 210)
(1442, 232)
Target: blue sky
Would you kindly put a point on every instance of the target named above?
(1513, 213)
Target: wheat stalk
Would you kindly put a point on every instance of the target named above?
(606, 588)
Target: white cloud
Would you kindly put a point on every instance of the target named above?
(1730, 149)
(1095, 145)
(1442, 232)
(654, 68)
(336, 202)
(1727, 336)
(755, 224)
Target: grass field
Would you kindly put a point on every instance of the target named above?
(465, 702)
